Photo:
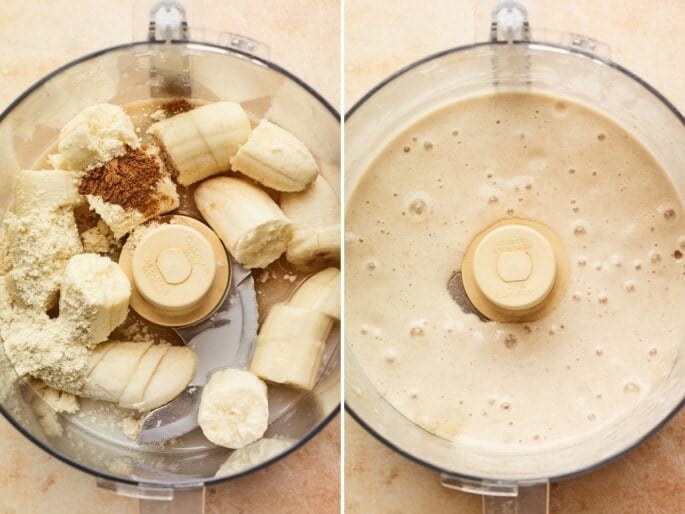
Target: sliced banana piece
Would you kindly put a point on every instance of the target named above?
(95, 136)
(200, 142)
(320, 292)
(133, 394)
(315, 213)
(251, 225)
(138, 376)
(109, 378)
(44, 190)
(172, 376)
(95, 290)
(274, 157)
(234, 410)
(290, 346)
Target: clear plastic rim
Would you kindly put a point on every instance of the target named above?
(211, 481)
(580, 54)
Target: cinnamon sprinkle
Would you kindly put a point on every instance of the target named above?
(129, 181)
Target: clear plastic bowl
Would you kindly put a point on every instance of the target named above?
(29, 128)
(444, 78)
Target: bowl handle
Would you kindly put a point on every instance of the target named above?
(183, 501)
(155, 499)
(531, 499)
(504, 497)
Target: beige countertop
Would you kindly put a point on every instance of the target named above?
(646, 37)
(36, 38)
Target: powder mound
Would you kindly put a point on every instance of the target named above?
(177, 106)
(129, 181)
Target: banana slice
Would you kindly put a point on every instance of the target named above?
(274, 157)
(290, 346)
(172, 376)
(200, 142)
(320, 292)
(234, 410)
(134, 392)
(248, 221)
(138, 376)
(315, 213)
(44, 190)
(95, 290)
(95, 136)
(109, 378)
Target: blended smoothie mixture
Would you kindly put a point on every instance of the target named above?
(616, 330)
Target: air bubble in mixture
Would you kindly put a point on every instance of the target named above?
(417, 329)
(418, 206)
(390, 355)
(510, 341)
(580, 228)
(668, 213)
(631, 388)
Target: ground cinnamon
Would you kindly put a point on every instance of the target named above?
(129, 181)
(177, 106)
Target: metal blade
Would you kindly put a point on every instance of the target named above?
(223, 341)
(174, 419)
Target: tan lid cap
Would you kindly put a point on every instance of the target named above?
(514, 267)
(173, 267)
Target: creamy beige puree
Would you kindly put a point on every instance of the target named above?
(431, 190)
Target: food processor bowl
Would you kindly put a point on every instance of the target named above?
(568, 69)
(179, 469)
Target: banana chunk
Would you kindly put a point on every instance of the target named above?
(251, 225)
(315, 213)
(290, 346)
(95, 136)
(111, 375)
(44, 190)
(172, 376)
(234, 410)
(138, 376)
(274, 157)
(95, 290)
(200, 142)
(320, 292)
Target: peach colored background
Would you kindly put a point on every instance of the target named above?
(645, 36)
(35, 38)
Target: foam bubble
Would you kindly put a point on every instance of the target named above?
(418, 205)
(631, 388)
(390, 355)
(417, 328)
(580, 227)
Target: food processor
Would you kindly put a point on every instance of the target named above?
(516, 57)
(169, 63)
